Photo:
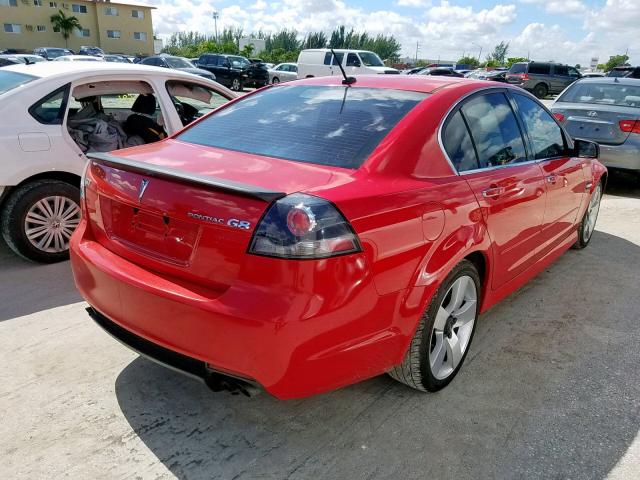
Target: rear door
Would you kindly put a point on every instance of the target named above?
(563, 174)
(509, 188)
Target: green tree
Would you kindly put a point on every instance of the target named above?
(512, 60)
(65, 25)
(471, 61)
(247, 50)
(315, 40)
(616, 61)
(499, 53)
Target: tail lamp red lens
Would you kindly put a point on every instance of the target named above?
(560, 117)
(630, 126)
(302, 226)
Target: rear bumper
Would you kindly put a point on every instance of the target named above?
(293, 341)
(625, 156)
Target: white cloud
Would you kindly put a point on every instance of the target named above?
(560, 7)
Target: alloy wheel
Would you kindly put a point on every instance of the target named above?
(453, 327)
(235, 85)
(592, 213)
(50, 222)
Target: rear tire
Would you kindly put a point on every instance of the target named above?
(443, 337)
(38, 219)
(236, 85)
(540, 90)
(588, 223)
(275, 81)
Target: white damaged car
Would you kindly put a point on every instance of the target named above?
(52, 113)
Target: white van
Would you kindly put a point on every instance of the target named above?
(320, 62)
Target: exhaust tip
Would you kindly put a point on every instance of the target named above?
(218, 382)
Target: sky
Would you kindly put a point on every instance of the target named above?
(570, 31)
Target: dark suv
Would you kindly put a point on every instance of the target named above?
(50, 53)
(542, 78)
(626, 72)
(234, 71)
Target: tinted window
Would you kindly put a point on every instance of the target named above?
(540, 68)
(561, 70)
(518, 68)
(353, 60)
(494, 130)
(314, 124)
(327, 58)
(544, 133)
(457, 144)
(223, 62)
(50, 110)
(11, 80)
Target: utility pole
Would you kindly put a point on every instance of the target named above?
(215, 16)
(417, 48)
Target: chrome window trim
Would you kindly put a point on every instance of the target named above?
(485, 90)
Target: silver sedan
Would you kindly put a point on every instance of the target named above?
(605, 110)
(283, 72)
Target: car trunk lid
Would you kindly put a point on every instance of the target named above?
(596, 122)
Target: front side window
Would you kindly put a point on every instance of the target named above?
(370, 59)
(353, 60)
(193, 101)
(323, 125)
(561, 70)
(494, 130)
(573, 72)
(50, 109)
(544, 133)
(458, 145)
(540, 68)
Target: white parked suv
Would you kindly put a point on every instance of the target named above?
(320, 62)
(52, 113)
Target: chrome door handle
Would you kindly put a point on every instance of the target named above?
(493, 192)
(552, 179)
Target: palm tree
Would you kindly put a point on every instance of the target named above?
(65, 25)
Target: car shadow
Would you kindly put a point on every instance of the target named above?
(623, 183)
(46, 286)
(550, 389)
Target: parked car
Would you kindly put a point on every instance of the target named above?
(194, 61)
(177, 63)
(17, 58)
(413, 71)
(542, 78)
(51, 53)
(320, 62)
(302, 256)
(441, 72)
(496, 76)
(116, 59)
(92, 51)
(235, 71)
(283, 72)
(627, 71)
(78, 58)
(59, 111)
(592, 74)
(6, 60)
(605, 110)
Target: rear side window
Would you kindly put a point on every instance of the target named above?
(337, 126)
(11, 80)
(540, 68)
(518, 68)
(494, 130)
(50, 110)
(458, 145)
(544, 133)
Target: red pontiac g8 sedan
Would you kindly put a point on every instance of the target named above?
(315, 234)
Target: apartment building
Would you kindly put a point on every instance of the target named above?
(114, 27)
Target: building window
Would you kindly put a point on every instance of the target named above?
(142, 36)
(137, 14)
(37, 3)
(41, 28)
(83, 32)
(78, 8)
(113, 33)
(111, 11)
(53, 4)
(12, 28)
(8, 3)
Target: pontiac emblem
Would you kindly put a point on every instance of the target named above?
(143, 186)
(592, 114)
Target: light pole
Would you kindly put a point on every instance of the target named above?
(417, 50)
(215, 16)
(479, 54)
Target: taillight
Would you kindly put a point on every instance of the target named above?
(560, 117)
(302, 226)
(525, 76)
(630, 126)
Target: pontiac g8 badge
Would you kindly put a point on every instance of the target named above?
(232, 222)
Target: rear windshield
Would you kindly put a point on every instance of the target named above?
(11, 80)
(337, 126)
(518, 68)
(617, 94)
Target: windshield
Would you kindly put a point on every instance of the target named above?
(179, 62)
(11, 80)
(56, 52)
(338, 126)
(618, 94)
(370, 59)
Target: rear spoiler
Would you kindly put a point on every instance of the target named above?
(157, 171)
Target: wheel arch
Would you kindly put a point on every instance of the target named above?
(67, 177)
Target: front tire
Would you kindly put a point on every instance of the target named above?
(236, 85)
(443, 337)
(588, 223)
(275, 81)
(38, 219)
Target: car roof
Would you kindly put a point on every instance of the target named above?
(416, 83)
(614, 80)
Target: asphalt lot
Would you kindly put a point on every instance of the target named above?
(551, 389)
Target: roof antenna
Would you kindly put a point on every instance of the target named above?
(347, 80)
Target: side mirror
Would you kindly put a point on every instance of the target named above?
(586, 148)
